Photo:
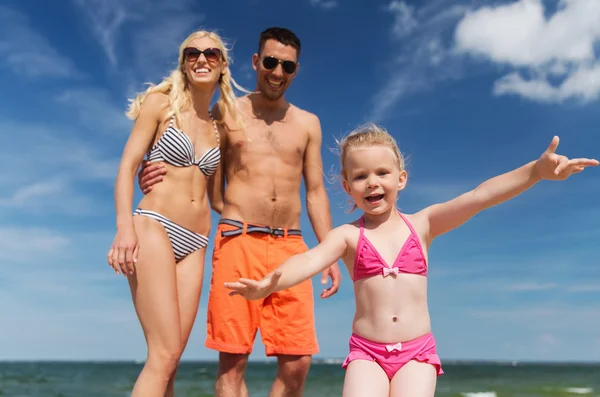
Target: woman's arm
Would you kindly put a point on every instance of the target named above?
(140, 139)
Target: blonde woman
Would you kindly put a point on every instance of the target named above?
(160, 247)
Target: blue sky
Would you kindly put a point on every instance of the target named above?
(470, 89)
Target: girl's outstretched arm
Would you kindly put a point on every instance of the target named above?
(296, 269)
(449, 215)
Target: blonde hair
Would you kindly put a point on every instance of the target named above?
(177, 87)
(369, 135)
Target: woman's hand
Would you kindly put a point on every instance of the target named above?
(124, 251)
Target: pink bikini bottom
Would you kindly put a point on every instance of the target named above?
(392, 357)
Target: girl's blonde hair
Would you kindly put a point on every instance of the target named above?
(177, 87)
(369, 135)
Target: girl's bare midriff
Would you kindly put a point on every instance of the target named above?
(181, 197)
(381, 319)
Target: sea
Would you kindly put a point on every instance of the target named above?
(196, 379)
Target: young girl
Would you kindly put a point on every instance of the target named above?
(392, 349)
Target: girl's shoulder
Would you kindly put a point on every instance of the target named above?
(419, 222)
(348, 231)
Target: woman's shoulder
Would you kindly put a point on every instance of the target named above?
(158, 100)
(155, 106)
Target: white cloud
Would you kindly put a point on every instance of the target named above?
(36, 190)
(105, 18)
(97, 111)
(421, 48)
(570, 314)
(552, 58)
(531, 286)
(139, 46)
(27, 52)
(583, 84)
(519, 34)
(138, 27)
(58, 150)
(540, 49)
(548, 339)
(19, 244)
(68, 164)
(325, 4)
(160, 44)
(48, 196)
(404, 18)
(583, 288)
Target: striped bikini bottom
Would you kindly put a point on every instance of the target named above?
(183, 241)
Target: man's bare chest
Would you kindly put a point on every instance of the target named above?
(268, 141)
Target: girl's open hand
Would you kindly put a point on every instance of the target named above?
(252, 289)
(557, 167)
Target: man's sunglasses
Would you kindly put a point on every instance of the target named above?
(192, 54)
(270, 63)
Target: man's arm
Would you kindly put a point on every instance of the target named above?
(216, 183)
(317, 202)
(216, 187)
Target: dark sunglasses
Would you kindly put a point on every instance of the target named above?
(270, 63)
(192, 54)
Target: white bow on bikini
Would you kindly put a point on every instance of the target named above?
(387, 271)
(397, 346)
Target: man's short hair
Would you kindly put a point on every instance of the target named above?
(282, 35)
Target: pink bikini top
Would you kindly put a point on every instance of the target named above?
(368, 261)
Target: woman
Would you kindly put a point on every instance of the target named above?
(161, 246)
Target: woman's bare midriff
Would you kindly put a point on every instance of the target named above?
(381, 319)
(181, 197)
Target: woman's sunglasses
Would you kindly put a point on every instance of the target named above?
(270, 63)
(212, 55)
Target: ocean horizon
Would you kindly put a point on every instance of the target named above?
(319, 360)
(195, 378)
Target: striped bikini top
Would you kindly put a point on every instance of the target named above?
(176, 148)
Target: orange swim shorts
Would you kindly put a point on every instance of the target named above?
(285, 318)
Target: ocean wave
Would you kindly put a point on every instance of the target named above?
(480, 394)
(336, 361)
(579, 390)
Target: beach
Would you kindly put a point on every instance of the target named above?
(196, 379)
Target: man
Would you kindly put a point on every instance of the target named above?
(263, 163)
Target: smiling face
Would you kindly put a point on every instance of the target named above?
(203, 62)
(273, 82)
(372, 178)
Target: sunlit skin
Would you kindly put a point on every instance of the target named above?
(278, 149)
(273, 83)
(394, 308)
(374, 181)
(182, 193)
(166, 294)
